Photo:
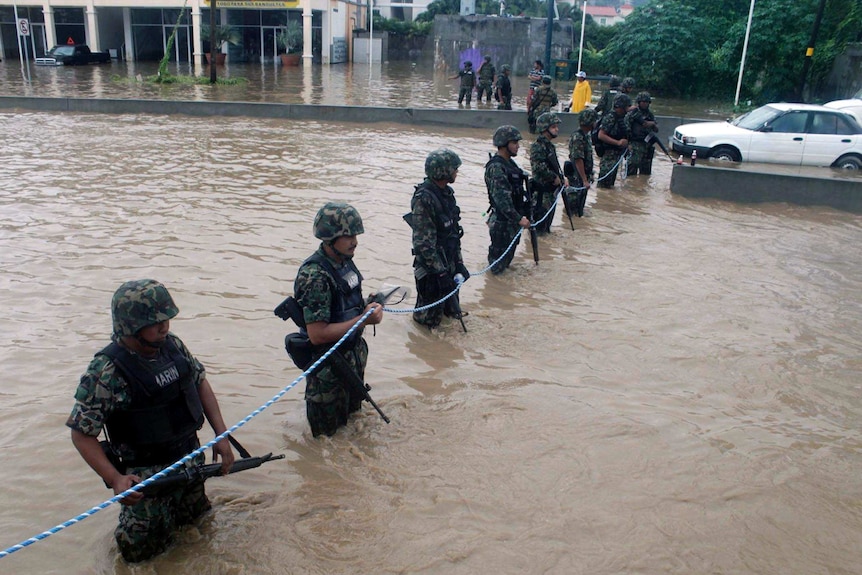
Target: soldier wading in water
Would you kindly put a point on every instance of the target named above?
(151, 395)
(328, 289)
(434, 216)
(507, 193)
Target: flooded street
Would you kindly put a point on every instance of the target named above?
(392, 84)
(673, 389)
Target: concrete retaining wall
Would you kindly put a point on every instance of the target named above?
(476, 118)
(749, 186)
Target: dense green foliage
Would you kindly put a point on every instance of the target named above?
(693, 48)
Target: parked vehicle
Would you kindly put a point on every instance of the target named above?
(72, 55)
(851, 106)
(797, 134)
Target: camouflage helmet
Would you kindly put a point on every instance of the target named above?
(547, 120)
(468, 64)
(614, 82)
(506, 68)
(628, 83)
(337, 219)
(138, 304)
(546, 79)
(622, 101)
(442, 164)
(587, 117)
(487, 58)
(506, 134)
(643, 97)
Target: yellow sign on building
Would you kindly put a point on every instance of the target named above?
(255, 3)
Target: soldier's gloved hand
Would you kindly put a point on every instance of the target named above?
(460, 268)
(445, 284)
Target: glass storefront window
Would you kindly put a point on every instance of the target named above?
(142, 16)
(69, 15)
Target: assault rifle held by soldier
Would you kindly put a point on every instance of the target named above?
(300, 348)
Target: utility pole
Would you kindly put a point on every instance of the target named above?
(809, 52)
(213, 78)
(549, 34)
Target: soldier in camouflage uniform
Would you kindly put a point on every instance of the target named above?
(437, 239)
(544, 99)
(640, 122)
(487, 74)
(150, 395)
(468, 82)
(504, 88)
(614, 135)
(328, 288)
(547, 175)
(506, 184)
(581, 156)
(606, 102)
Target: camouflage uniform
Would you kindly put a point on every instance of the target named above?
(486, 79)
(468, 82)
(327, 401)
(581, 148)
(546, 169)
(504, 89)
(614, 126)
(437, 239)
(146, 528)
(506, 183)
(642, 153)
(606, 102)
(544, 99)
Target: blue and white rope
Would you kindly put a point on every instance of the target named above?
(93, 510)
(177, 465)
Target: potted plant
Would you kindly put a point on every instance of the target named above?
(289, 39)
(223, 34)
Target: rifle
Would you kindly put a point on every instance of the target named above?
(651, 138)
(534, 237)
(569, 169)
(455, 304)
(290, 309)
(562, 190)
(188, 475)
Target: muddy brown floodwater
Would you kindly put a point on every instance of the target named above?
(392, 84)
(673, 389)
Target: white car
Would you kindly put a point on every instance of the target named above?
(797, 134)
(851, 106)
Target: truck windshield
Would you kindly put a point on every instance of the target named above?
(63, 51)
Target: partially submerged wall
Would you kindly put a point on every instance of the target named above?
(842, 191)
(846, 76)
(514, 41)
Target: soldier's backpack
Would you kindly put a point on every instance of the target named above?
(598, 145)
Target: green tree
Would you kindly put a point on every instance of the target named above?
(664, 46)
(439, 7)
(773, 63)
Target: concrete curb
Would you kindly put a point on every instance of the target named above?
(750, 186)
(485, 119)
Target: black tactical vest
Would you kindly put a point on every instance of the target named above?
(160, 424)
(448, 215)
(347, 302)
(518, 182)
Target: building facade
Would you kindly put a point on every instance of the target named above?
(609, 15)
(139, 29)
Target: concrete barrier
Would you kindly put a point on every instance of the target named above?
(485, 119)
(837, 189)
